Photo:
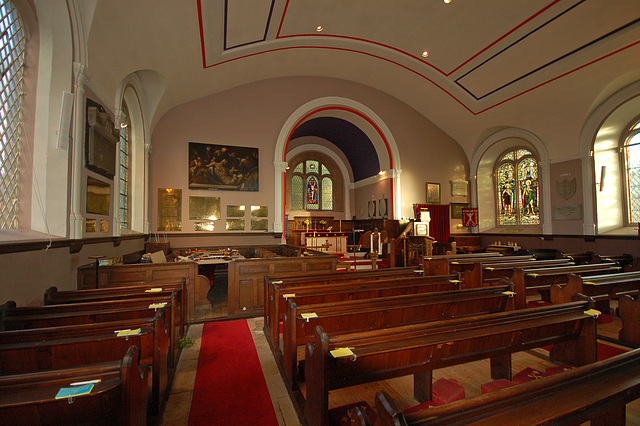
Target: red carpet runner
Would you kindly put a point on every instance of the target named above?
(230, 388)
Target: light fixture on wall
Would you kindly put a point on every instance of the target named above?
(319, 28)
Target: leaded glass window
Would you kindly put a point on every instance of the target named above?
(311, 186)
(12, 48)
(124, 173)
(297, 190)
(631, 152)
(518, 188)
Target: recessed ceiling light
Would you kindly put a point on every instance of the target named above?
(447, 1)
(425, 54)
(319, 28)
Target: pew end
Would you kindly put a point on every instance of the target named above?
(387, 414)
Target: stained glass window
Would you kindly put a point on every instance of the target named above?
(313, 196)
(311, 186)
(518, 189)
(632, 174)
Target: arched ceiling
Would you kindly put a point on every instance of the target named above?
(491, 63)
(350, 139)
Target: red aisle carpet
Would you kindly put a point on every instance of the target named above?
(230, 388)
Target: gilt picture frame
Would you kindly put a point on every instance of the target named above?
(433, 193)
(225, 167)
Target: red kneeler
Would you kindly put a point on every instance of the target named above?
(443, 391)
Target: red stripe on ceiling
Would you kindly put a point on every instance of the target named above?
(204, 54)
(359, 114)
(504, 36)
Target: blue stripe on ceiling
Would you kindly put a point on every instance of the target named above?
(264, 36)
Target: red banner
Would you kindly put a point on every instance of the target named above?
(470, 217)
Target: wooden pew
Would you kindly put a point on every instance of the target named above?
(382, 312)
(541, 279)
(596, 392)
(53, 296)
(334, 292)
(284, 281)
(15, 318)
(439, 264)
(483, 273)
(35, 350)
(419, 349)
(119, 399)
(468, 264)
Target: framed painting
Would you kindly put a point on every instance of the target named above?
(433, 193)
(232, 168)
(456, 210)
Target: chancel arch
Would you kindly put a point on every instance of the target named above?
(359, 118)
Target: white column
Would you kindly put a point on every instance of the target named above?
(280, 173)
(147, 197)
(76, 217)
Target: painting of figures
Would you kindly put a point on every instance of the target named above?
(225, 167)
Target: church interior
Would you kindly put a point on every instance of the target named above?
(414, 211)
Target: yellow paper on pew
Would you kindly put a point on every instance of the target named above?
(123, 333)
(533, 274)
(288, 295)
(455, 263)
(588, 282)
(341, 352)
(454, 281)
(157, 305)
(509, 293)
(276, 282)
(308, 315)
(592, 312)
(153, 290)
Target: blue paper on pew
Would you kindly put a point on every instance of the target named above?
(74, 391)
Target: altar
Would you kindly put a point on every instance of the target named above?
(324, 240)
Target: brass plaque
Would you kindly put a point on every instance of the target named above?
(204, 226)
(235, 211)
(235, 224)
(259, 224)
(259, 211)
(204, 208)
(104, 225)
(98, 197)
(90, 225)
(169, 209)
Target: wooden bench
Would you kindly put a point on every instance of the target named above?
(284, 281)
(25, 351)
(53, 296)
(596, 392)
(468, 264)
(335, 292)
(382, 312)
(439, 264)
(120, 398)
(16, 318)
(419, 349)
(484, 273)
(541, 279)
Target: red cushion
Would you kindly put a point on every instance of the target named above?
(527, 375)
(446, 391)
(497, 384)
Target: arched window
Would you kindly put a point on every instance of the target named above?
(631, 158)
(517, 188)
(12, 50)
(312, 186)
(124, 174)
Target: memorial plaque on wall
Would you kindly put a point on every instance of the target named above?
(259, 211)
(90, 225)
(98, 197)
(204, 208)
(235, 211)
(204, 226)
(169, 209)
(259, 224)
(235, 225)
